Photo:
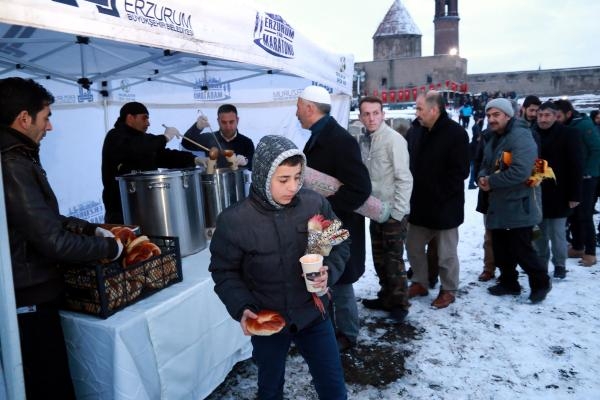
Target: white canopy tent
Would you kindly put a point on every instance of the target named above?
(179, 58)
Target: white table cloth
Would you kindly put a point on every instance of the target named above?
(179, 343)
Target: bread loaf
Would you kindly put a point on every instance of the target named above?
(267, 323)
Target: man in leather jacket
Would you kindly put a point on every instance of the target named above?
(40, 238)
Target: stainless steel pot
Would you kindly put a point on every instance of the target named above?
(166, 203)
(222, 189)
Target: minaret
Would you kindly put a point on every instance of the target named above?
(397, 35)
(446, 27)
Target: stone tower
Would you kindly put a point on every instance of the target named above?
(446, 27)
(397, 35)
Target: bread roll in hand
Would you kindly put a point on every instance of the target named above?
(127, 235)
(267, 323)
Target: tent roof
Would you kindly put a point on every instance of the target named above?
(42, 53)
(93, 42)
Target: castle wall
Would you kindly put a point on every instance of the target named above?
(552, 82)
(410, 72)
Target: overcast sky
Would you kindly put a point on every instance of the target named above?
(495, 36)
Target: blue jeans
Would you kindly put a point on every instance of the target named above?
(345, 311)
(316, 344)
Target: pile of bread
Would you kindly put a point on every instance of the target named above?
(140, 268)
(135, 248)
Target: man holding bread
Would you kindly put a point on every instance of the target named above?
(333, 151)
(255, 252)
(40, 239)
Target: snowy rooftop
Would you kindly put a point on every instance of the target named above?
(397, 21)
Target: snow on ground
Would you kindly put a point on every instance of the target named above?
(486, 347)
(480, 347)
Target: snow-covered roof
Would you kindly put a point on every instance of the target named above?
(397, 21)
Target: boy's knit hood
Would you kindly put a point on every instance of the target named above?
(270, 152)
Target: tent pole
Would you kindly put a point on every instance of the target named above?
(105, 110)
(10, 345)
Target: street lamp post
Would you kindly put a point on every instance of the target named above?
(358, 77)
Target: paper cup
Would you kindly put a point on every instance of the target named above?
(311, 268)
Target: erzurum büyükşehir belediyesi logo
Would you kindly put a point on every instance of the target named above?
(274, 35)
(145, 12)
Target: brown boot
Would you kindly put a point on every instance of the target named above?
(416, 289)
(444, 299)
(587, 260)
(486, 276)
(572, 253)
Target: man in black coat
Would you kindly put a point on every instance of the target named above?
(439, 162)
(333, 151)
(127, 147)
(561, 148)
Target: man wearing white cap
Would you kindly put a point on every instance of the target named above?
(333, 151)
(514, 207)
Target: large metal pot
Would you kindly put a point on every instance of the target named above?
(166, 203)
(222, 189)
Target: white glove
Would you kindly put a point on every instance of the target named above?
(241, 160)
(171, 132)
(201, 161)
(120, 250)
(202, 122)
(101, 232)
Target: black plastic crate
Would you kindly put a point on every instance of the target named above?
(103, 289)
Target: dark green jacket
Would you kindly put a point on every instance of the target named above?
(591, 143)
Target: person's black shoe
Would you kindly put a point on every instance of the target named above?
(409, 273)
(375, 304)
(433, 283)
(560, 272)
(398, 315)
(344, 344)
(539, 295)
(501, 290)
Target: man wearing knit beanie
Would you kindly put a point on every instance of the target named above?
(514, 207)
(501, 104)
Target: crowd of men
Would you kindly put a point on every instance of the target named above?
(420, 176)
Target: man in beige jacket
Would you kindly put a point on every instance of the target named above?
(391, 182)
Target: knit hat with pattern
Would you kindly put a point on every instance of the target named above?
(270, 152)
